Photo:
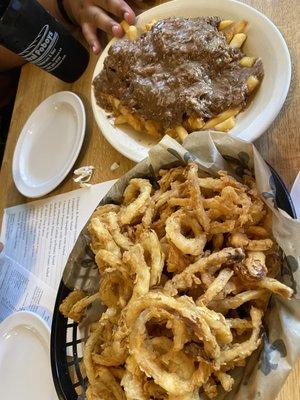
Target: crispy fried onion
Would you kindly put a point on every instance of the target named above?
(134, 257)
(136, 196)
(133, 380)
(240, 351)
(106, 387)
(216, 287)
(113, 226)
(187, 277)
(176, 260)
(223, 306)
(196, 196)
(142, 350)
(153, 253)
(183, 309)
(106, 259)
(75, 304)
(113, 351)
(239, 239)
(102, 211)
(101, 238)
(184, 306)
(253, 267)
(101, 333)
(175, 226)
(115, 287)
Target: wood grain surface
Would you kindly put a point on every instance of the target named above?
(280, 145)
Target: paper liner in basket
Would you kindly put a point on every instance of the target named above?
(268, 367)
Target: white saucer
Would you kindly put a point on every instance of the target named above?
(264, 40)
(49, 144)
(25, 358)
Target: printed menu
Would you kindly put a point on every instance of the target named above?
(38, 238)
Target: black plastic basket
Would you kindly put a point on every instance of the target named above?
(67, 339)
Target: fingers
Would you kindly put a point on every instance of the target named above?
(119, 8)
(103, 21)
(95, 17)
(90, 33)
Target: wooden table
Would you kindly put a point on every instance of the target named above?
(280, 145)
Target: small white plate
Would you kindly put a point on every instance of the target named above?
(264, 40)
(49, 144)
(25, 358)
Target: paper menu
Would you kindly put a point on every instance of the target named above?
(20, 289)
(38, 238)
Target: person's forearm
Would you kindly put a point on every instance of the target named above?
(9, 60)
(52, 7)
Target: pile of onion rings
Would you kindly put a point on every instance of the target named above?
(186, 272)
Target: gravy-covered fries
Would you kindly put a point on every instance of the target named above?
(156, 79)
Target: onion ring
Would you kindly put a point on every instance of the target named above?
(124, 242)
(134, 257)
(101, 238)
(115, 288)
(194, 316)
(151, 245)
(106, 259)
(193, 246)
(135, 204)
(145, 357)
(240, 351)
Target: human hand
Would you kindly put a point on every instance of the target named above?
(92, 15)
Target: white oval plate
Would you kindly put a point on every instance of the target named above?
(25, 369)
(49, 144)
(264, 41)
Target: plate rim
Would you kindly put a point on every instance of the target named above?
(25, 317)
(29, 191)
(261, 123)
(38, 328)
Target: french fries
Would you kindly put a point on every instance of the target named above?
(221, 118)
(130, 30)
(181, 132)
(132, 33)
(238, 40)
(252, 83)
(148, 26)
(196, 123)
(173, 313)
(225, 24)
(247, 61)
(226, 125)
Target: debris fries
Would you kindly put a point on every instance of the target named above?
(186, 272)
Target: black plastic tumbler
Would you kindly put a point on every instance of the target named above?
(28, 30)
